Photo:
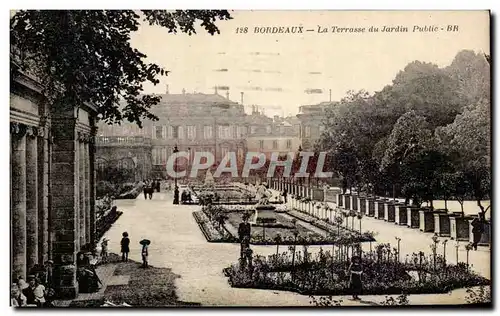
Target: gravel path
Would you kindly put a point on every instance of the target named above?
(178, 243)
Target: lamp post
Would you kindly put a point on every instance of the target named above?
(176, 188)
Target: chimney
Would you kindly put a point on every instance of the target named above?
(183, 91)
(215, 88)
(227, 94)
(241, 98)
(167, 92)
(330, 95)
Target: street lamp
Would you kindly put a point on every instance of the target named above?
(176, 188)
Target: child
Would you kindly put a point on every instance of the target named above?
(125, 246)
(145, 255)
(104, 250)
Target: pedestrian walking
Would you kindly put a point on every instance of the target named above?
(151, 189)
(285, 194)
(145, 190)
(125, 242)
(355, 273)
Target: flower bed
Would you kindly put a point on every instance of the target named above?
(220, 224)
(212, 232)
(355, 236)
(325, 274)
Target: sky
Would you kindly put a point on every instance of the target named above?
(280, 72)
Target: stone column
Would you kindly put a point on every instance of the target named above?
(92, 193)
(18, 196)
(43, 195)
(32, 197)
(86, 167)
(64, 201)
(81, 186)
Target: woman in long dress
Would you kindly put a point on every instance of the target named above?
(355, 274)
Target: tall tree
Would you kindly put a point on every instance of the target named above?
(468, 141)
(410, 135)
(428, 90)
(85, 56)
(472, 73)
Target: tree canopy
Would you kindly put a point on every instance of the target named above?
(85, 56)
(426, 136)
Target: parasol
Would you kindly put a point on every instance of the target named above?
(145, 242)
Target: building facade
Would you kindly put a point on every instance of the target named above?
(51, 180)
(195, 123)
(124, 146)
(280, 135)
(311, 119)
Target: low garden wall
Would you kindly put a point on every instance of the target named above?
(106, 215)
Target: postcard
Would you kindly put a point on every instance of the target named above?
(212, 158)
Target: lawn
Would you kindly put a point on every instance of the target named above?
(152, 287)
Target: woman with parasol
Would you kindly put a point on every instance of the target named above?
(145, 244)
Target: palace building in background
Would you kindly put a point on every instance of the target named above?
(311, 119)
(198, 122)
(52, 179)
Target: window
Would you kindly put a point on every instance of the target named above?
(268, 129)
(288, 143)
(163, 156)
(242, 131)
(307, 132)
(207, 132)
(191, 132)
(181, 132)
(225, 132)
(253, 129)
(158, 134)
(261, 144)
(175, 131)
(164, 131)
(156, 156)
(275, 144)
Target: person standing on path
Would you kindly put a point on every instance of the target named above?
(145, 190)
(151, 189)
(285, 193)
(355, 273)
(125, 247)
(477, 230)
(244, 234)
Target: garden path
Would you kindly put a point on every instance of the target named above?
(414, 240)
(178, 243)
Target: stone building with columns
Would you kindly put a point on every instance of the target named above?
(51, 181)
